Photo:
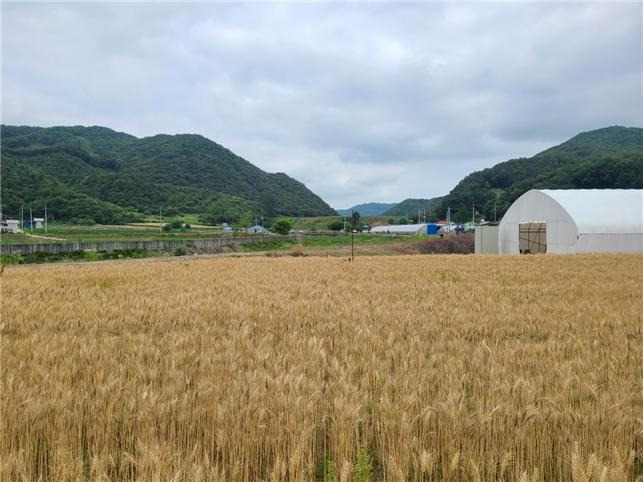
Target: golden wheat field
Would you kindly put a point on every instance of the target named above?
(388, 368)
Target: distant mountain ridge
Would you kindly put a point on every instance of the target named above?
(607, 158)
(409, 207)
(367, 209)
(111, 177)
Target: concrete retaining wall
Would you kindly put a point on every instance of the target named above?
(165, 245)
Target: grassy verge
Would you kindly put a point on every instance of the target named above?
(326, 242)
(267, 245)
(331, 241)
(20, 238)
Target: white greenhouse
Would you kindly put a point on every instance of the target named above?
(573, 221)
(401, 229)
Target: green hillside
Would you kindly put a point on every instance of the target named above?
(611, 157)
(121, 177)
(409, 207)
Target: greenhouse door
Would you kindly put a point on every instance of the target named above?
(533, 238)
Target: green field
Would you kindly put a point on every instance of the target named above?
(95, 234)
(151, 231)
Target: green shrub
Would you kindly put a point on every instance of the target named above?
(11, 258)
(282, 225)
(267, 245)
(336, 225)
(91, 256)
(364, 464)
(180, 251)
(329, 473)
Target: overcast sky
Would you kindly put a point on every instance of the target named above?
(361, 102)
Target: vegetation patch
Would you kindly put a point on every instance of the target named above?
(450, 244)
(345, 239)
(94, 174)
(45, 257)
(267, 245)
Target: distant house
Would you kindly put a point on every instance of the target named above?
(13, 225)
(38, 223)
(257, 230)
(10, 226)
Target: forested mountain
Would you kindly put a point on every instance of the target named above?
(409, 207)
(367, 209)
(112, 177)
(611, 157)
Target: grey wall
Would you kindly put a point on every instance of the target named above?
(486, 240)
(202, 244)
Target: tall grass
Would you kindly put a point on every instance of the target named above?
(396, 368)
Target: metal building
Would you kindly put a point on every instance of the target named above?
(573, 221)
(257, 230)
(401, 229)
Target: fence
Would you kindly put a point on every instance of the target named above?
(162, 245)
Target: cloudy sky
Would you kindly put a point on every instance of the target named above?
(360, 101)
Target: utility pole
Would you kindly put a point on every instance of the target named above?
(473, 213)
(353, 237)
(160, 220)
(30, 219)
(45, 217)
(22, 216)
(494, 209)
(449, 218)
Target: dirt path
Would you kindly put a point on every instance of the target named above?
(42, 237)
